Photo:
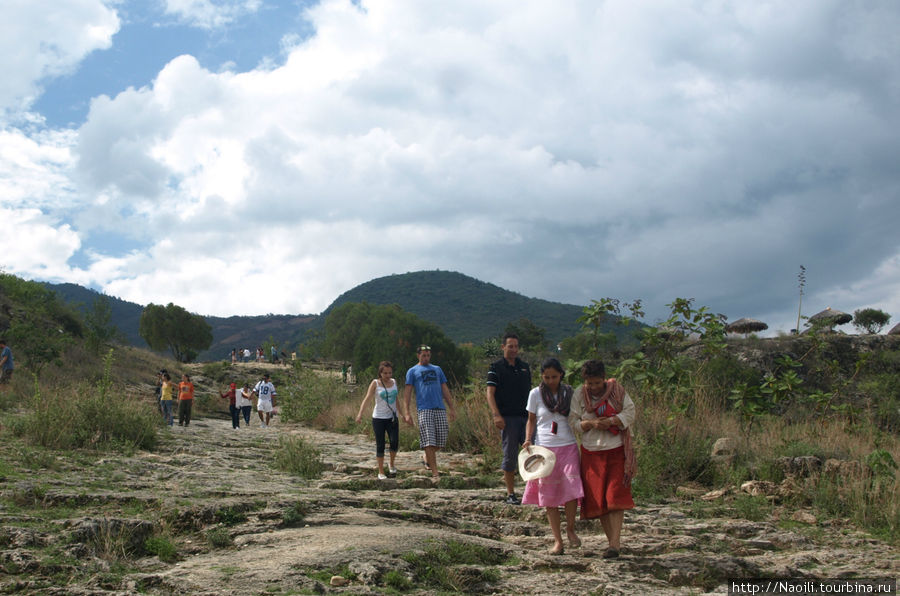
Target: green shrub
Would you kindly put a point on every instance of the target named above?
(295, 515)
(217, 371)
(324, 575)
(296, 456)
(89, 416)
(219, 537)
(397, 580)
(437, 567)
(162, 548)
(230, 516)
(314, 394)
(671, 450)
(883, 390)
(752, 508)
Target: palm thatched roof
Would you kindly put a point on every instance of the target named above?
(746, 325)
(831, 316)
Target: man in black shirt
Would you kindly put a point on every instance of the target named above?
(508, 385)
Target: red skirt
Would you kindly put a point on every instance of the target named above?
(603, 477)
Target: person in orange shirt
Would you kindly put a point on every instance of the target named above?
(185, 400)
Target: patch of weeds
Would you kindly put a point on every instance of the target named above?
(382, 504)
(161, 547)
(361, 484)
(227, 570)
(295, 515)
(134, 508)
(216, 371)
(466, 482)
(219, 537)
(27, 495)
(800, 448)
(752, 508)
(468, 526)
(113, 539)
(38, 459)
(705, 510)
(86, 416)
(6, 470)
(296, 456)
(397, 580)
(230, 516)
(325, 575)
(439, 566)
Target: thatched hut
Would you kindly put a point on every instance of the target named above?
(745, 326)
(830, 317)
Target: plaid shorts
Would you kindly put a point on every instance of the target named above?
(433, 428)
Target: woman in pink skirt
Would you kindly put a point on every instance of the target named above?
(548, 411)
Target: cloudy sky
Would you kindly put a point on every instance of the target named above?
(263, 156)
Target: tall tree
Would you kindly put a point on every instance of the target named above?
(870, 320)
(531, 336)
(366, 334)
(172, 327)
(98, 321)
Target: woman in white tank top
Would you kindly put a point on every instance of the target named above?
(385, 416)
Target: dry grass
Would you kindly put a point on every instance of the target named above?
(674, 448)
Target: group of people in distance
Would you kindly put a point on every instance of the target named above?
(168, 394)
(244, 355)
(552, 415)
(240, 402)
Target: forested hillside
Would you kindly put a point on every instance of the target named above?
(466, 309)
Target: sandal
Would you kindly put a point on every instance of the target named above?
(611, 553)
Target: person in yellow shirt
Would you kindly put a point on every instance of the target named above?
(167, 391)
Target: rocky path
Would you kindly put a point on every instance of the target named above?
(236, 525)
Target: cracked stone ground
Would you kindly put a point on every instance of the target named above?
(236, 525)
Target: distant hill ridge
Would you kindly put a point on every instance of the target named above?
(467, 309)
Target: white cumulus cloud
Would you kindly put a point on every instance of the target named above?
(567, 151)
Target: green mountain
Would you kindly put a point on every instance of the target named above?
(468, 310)
(228, 332)
(126, 316)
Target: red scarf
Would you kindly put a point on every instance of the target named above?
(610, 403)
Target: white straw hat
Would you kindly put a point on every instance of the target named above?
(537, 464)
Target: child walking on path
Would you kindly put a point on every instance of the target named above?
(548, 412)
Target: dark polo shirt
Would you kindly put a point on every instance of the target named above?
(513, 385)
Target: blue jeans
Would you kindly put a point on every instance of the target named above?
(245, 410)
(166, 405)
(235, 416)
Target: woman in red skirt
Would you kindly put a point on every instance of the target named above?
(604, 413)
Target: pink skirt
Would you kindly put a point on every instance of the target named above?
(562, 485)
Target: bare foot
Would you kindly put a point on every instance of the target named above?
(574, 541)
(557, 549)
